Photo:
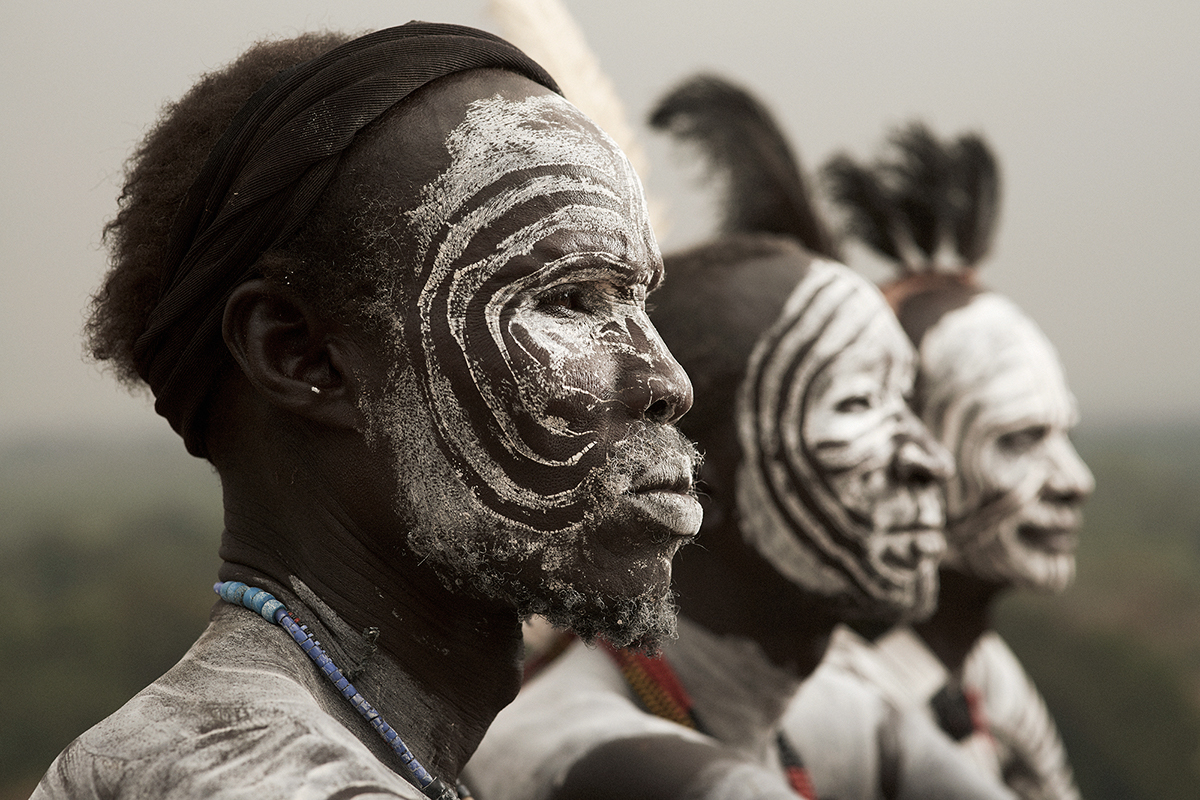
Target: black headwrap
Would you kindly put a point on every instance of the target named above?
(264, 177)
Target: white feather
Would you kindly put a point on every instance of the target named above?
(549, 35)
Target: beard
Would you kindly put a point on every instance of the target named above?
(607, 575)
(643, 622)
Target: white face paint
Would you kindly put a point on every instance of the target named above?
(545, 385)
(838, 482)
(993, 391)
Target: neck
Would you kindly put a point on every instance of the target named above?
(963, 615)
(739, 694)
(725, 586)
(441, 666)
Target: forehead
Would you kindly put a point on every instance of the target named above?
(834, 309)
(880, 340)
(991, 353)
(528, 171)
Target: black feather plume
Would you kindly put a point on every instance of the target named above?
(742, 143)
(922, 178)
(925, 200)
(872, 216)
(979, 176)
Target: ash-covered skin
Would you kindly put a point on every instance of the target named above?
(838, 485)
(993, 392)
(536, 396)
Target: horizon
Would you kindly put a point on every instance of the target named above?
(1086, 107)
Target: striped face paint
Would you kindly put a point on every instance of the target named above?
(838, 482)
(993, 392)
(548, 392)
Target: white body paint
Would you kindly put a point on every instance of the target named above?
(822, 420)
(866, 710)
(244, 713)
(531, 474)
(993, 392)
(582, 701)
(499, 138)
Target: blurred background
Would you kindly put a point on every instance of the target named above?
(108, 530)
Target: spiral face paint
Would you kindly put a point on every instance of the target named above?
(530, 351)
(837, 486)
(993, 392)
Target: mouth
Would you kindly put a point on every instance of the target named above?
(909, 547)
(663, 493)
(1057, 540)
(672, 474)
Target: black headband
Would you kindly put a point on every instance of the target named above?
(264, 177)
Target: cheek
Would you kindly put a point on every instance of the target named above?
(997, 472)
(854, 464)
(567, 370)
(850, 443)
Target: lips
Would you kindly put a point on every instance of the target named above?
(907, 548)
(671, 475)
(662, 493)
(1056, 539)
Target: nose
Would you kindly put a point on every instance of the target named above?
(920, 459)
(1070, 481)
(657, 387)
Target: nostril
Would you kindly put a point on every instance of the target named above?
(1067, 496)
(918, 475)
(914, 465)
(659, 411)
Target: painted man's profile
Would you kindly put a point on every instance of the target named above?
(393, 288)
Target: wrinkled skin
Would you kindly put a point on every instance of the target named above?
(839, 485)
(537, 400)
(993, 392)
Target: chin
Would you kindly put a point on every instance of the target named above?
(1008, 560)
(643, 621)
(1051, 573)
(890, 605)
(586, 587)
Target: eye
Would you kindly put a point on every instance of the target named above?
(1024, 439)
(561, 299)
(854, 404)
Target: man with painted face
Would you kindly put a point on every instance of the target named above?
(393, 289)
(821, 502)
(992, 390)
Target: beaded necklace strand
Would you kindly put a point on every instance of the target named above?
(660, 692)
(264, 603)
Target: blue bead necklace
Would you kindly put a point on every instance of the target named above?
(264, 603)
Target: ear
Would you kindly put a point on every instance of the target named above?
(299, 360)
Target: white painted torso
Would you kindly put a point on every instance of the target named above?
(582, 701)
(844, 711)
(237, 717)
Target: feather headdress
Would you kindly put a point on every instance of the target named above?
(547, 32)
(765, 188)
(927, 205)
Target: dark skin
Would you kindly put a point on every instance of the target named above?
(308, 495)
(724, 584)
(301, 500)
(964, 614)
(728, 588)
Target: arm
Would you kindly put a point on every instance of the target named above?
(1032, 754)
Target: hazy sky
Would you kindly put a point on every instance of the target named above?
(1093, 108)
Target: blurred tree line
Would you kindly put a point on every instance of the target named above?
(108, 553)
